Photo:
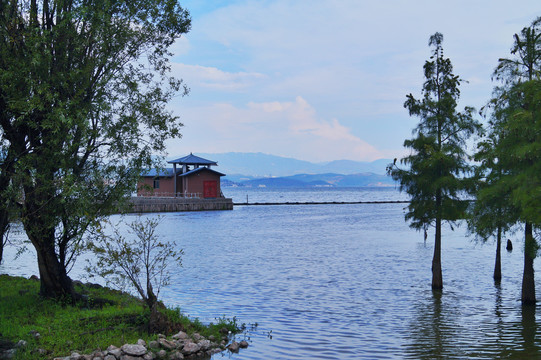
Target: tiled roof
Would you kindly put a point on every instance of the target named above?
(169, 172)
(199, 170)
(160, 172)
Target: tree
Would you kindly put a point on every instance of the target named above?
(435, 173)
(83, 84)
(6, 217)
(491, 214)
(10, 194)
(7, 154)
(143, 262)
(516, 120)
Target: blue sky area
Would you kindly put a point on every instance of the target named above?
(326, 80)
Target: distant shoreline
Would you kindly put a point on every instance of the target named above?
(321, 203)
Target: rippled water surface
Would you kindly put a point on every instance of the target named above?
(343, 282)
(263, 195)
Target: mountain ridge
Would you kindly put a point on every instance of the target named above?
(310, 180)
(266, 165)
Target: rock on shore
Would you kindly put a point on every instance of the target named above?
(179, 346)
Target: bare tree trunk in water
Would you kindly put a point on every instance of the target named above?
(437, 279)
(498, 264)
(528, 283)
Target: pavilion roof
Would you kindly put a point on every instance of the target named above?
(192, 160)
(160, 172)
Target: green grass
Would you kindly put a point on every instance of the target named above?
(83, 327)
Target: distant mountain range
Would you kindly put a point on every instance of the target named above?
(311, 180)
(264, 165)
(263, 170)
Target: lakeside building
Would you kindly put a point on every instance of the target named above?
(190, 177)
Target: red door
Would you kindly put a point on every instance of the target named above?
(210, 189)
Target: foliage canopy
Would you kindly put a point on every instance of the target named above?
(140, 261)
(83, 89)
(434, 171)
(511, 156)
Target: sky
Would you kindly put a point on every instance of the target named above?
(324, 80)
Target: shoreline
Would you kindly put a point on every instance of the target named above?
(108, 325)
(322, 203)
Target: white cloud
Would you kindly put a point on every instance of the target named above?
(214, 78)
(290, 129)
(180, 47)
(303, 121)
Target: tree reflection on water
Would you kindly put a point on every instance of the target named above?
(445, 327)
(434, 328)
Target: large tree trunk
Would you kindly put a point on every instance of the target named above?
(156, 322)
(151, 298)
(528, 283)
(498, 263)
(437, 279)
(54, 281)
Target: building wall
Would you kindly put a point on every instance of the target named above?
(191, 185)
(146, 184)
(194, 183)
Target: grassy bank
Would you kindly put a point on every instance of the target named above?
(106, 317)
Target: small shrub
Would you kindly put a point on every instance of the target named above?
(140, 261)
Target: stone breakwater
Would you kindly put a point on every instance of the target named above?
(179, 346)
(171, 204)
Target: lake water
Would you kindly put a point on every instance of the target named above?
(342, 281)
(266, 195)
